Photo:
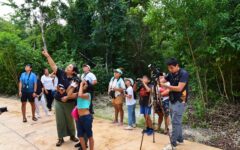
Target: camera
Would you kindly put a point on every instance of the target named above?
(139, 82)
(155, 72)
(76, 79)
(125, 92)
(112, 94)
(25, 86)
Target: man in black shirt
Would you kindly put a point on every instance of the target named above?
(178, 94)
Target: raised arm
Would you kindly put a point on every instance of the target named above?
(50, 60)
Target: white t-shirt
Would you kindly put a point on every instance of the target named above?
(88, 77)
(55, 83)
(47, 82)
(130, 101)
(116, 83)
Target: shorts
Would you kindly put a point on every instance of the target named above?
(145, 110)
(84, 126)
(118, 100)
(27, 97)
(165, 106)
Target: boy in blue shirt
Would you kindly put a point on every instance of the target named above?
(27, 90)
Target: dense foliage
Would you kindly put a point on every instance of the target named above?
(203, 34)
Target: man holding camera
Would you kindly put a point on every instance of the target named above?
(27, 90)
(178, 88)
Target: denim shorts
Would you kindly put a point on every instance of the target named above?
(84, 126)
(145, 110)
(165, 105)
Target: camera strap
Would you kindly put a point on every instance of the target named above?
(112, 80)
(28, 77)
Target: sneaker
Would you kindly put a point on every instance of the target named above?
(37, 116)
(169, 147)
(145, 130)
(60, 142)
(134, 125)
(180, 141)
(128, 128)
(150, 132)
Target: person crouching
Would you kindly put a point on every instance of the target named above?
(85, 119)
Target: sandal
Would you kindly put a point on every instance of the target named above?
(24, 120)
(74, 139)
(34, 119)
(165, 132)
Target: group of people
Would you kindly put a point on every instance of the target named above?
(37, 91)
(172, 94)
(74, 95)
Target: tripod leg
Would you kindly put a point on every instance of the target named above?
(153, 123)
(142, 141)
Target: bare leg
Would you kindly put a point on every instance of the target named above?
(116, 113)
(91, 143)
(149, 121)
(82, 141)
(120, 108)
(33, 109)
(167, 122)
(24, 109)
(160, 119)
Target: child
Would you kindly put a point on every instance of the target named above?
(40, 99)
(131, 104)
(145, 106)
(85, 118)
(162, 108)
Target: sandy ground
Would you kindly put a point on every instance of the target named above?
(42, 135)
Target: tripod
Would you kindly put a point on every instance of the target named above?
(156, 99)
(153, 96)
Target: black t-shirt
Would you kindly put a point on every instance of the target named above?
(65, 81)
(39, 87)
(174, 79)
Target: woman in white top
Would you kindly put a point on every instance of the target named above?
(115, 90)
(48, 85)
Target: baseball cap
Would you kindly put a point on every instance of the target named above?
(86, 65)
(129, 79)
(118, 71)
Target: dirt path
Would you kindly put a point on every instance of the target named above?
(41, 135)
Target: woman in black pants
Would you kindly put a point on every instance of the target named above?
(48, 85)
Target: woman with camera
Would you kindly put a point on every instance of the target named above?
(65, 102)
(115, 90)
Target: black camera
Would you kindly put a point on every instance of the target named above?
(155, 72)
(76, 79)
(3, 109)
(125, 92)
(139, 82)
(112, 94)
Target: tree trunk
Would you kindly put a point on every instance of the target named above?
(197, 69)
(223, 81)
